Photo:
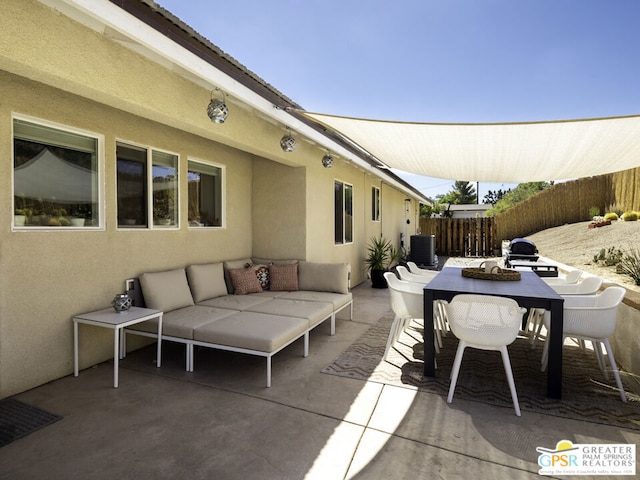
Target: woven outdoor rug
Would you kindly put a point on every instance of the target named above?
(17, 419)
(482, 377)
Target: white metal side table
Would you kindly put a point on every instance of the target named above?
(109, 318)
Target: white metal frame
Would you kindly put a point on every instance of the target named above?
(108, 318)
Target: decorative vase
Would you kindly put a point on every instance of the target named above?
(121, 302)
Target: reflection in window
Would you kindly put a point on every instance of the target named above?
(375, 204)
(55, 177)
(343, 212)
(134, 201)
(205, 195)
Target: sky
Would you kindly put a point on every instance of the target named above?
(459, 61)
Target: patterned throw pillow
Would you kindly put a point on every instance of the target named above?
(263, 275)
(284, 277)
(244, 281)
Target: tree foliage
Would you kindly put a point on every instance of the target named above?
(462, 193)
(494, 197)
(517, 195)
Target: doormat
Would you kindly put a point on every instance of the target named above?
(482, 377)
(17, 420)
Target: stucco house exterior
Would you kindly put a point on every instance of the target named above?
(112, 168)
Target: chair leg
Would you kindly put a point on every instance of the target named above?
(614, 367)
(512, 385)
(456, 369)
(597, 348)
(545, 356)
(397, 321)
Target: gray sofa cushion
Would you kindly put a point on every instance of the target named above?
(338, 300)
(323, 277)
(206, 281)
(180, 323)
(167, 290)
(238, 302)
(252, 331)
(314, 312)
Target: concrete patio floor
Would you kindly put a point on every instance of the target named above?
(220, 422)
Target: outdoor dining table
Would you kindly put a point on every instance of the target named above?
(530, 292)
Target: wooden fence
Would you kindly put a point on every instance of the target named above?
(463, 237)
(567, 202)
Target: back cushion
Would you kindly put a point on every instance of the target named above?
(324, 277)
(166, 291)
(206, 281)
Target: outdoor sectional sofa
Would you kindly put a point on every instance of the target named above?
(251, 306)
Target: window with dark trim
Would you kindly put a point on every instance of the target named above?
(343, 207)
(205, 195)
(375, 204)
(147, 182)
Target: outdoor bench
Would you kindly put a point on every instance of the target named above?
(256, 307)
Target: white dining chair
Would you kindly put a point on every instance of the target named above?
(484, 322)
(439, 318)
(572, 277)
(407, 303)
(592, 318)
(589, 286)
(413, 268)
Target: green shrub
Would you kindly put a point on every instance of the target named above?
(630, 265)
(594, 212)
(611, 216)
(609, 257)
(630, 216)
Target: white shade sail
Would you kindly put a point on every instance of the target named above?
(497, 152)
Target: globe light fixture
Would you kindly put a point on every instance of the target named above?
(217, 110)
(287, 142)
(327, 161)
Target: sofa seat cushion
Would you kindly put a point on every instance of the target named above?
(252, 331)
(338, 300)
(180, 323)
(237, 302)
(314, 312)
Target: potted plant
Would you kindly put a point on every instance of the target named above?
(381, 256)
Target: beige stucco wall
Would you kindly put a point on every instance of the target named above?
(278, 205)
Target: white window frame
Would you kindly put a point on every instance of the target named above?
(376, 203)
(149, 183)
(100, 171)
(344, 211)
(223, 193)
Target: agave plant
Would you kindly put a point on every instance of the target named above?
(630, 265)
(381, 254)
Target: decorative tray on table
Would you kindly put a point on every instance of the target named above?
(496, 273)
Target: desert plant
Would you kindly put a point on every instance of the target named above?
(609, 257)
(615, 208)
(594, 212)
(630, 265)
(611, 216)
(381, 254)
(630, 216)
